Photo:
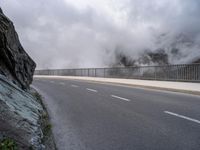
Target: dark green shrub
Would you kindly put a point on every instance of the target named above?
(8, 144)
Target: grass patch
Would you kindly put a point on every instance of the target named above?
(44, 117)
(37, 96)
(8, 144)
(46, 126)
(47, 129)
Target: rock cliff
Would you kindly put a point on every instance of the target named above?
(24, 122)
(15, 63)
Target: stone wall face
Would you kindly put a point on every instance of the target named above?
(15, 63)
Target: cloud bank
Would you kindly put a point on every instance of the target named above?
(88, 33)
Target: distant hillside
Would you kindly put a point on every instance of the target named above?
(180, 50)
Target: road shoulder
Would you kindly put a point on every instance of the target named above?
(182, 87)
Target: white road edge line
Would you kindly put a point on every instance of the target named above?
(125, 99)
(62, 83)
(183, 117)
(73, 85)
(92, 90)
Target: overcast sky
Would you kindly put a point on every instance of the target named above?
(87, 33)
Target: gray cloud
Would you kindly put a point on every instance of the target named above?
(60, 34)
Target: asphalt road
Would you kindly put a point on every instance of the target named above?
(93, 116)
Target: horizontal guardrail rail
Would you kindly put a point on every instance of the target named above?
(181, 72)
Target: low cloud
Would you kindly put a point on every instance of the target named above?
(65, 34)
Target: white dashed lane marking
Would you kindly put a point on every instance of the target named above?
(183, 117)
(121, 98)
(75, 86)
(92, 90)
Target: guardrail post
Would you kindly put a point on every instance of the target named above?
(155, 73)
(95, 72)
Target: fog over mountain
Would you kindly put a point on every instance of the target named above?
(99, 33)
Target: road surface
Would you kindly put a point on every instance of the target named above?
(94, 116)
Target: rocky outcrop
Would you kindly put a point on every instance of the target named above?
(197, 61)
(158, 57)
(23, 118)
(15, 63)
(19, 116)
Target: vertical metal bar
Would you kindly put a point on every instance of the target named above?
(194, 73)
(195, 68)
(182, 69)
(156, 73)
(186, 72)
(104, 72)
(198, 72)
(187, 68)
(177, 72)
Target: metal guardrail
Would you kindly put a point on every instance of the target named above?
(182, 72)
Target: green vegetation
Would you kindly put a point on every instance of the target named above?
(47, 139)
(47, 129)
(44, 117)
(8, 144)
(37, 96)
